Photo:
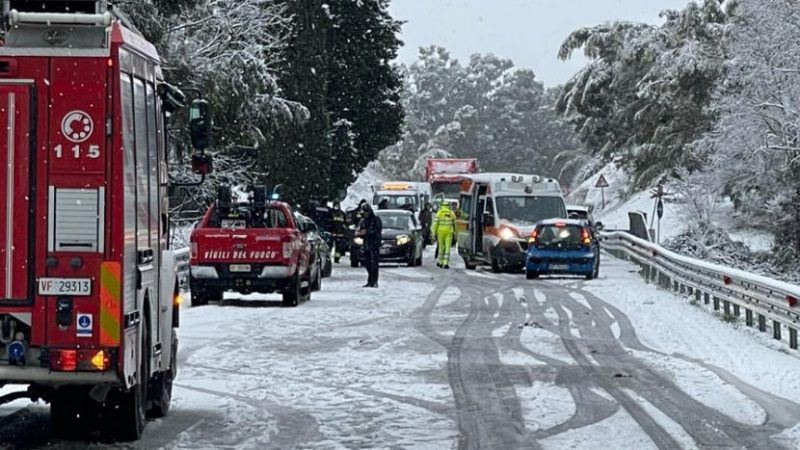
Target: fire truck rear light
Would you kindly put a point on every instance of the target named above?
(76, 262)
(63, 360)
(100, 361)
(72, 360)
(193, 251)
(287, 249)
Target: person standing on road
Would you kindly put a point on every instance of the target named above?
(426, 220)
(338, 228)
(444, 226)
(370, 230)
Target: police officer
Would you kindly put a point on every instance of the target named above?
(370, 230)
(444, 225)
(338, 229)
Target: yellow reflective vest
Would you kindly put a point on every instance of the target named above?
(444, 221)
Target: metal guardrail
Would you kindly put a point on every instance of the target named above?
(737, 292)
(182, 263)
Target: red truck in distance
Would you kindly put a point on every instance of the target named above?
(249, 247)
(446, 174)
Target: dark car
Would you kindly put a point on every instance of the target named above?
(401, 239)
(559, 246)
(320, 250)
(584, 213)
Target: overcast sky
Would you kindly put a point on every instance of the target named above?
(529, 32)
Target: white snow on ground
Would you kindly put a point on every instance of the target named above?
(362, 187)
(546, 343)
(545, 405)
(669, 324)
(670, 426)
(367, 362)
(618, 431)
(706, 387)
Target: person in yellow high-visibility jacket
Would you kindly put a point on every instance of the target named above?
(443, 227)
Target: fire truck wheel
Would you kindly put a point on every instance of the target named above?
(469, 264)
(161, 385)
(128, 415)
(68, 414)
(292, 296)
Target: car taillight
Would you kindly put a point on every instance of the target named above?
(585, 237)
(288, 247)
(193, 251)
(71, 360)
(534, 236)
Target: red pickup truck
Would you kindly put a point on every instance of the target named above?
(251, 247)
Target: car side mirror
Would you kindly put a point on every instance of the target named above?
(200, 123)
(599, 226)
(488, 219)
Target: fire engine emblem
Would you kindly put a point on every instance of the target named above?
(77, 126)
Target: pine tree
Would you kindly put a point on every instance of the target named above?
(363, 85)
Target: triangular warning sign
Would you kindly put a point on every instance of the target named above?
(601, 182)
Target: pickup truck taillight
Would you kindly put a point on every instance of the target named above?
(193, 250)
(288, 247)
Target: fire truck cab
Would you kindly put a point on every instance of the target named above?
(498, 211)
(88, 292)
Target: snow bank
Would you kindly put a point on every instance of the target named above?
(362, 187)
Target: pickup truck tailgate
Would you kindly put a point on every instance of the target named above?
(215, 245)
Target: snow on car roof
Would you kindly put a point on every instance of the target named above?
(577, 208)
(393, 211)
(550, 222)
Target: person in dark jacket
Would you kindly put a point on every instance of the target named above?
(338, 230)
(370, 230)
(384, 204)
(426, 220)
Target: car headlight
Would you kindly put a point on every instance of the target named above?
(506, 234)
(403, 239)
(358, 241)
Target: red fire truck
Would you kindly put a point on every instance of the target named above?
(446, 174)
(88, 292)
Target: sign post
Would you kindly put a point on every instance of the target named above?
(658, 194)
(602, 183)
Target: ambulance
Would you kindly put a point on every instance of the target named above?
(409, 195)
(498, 212)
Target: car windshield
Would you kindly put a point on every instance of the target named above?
(530, 209)
(559, 236)
(447, 189)
(578, 214)
(396, 201)
(395, 221)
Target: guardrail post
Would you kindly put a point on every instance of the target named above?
(762, 323)
(776, 330)
(716, 304)
(676, 286)
(736, 311)
(793, 338)
(727, 307)
(748, 317)
(706, 297)
(697, 295)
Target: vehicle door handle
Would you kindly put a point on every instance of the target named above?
(144, 256)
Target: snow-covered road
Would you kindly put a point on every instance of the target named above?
(455, 359)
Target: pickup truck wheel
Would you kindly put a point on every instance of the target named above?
(292, 296)
(496, 266)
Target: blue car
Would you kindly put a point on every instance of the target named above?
(563, 247)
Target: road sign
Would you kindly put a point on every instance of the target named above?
(601, 182)
(660, 209)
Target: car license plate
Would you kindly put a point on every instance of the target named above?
(559, 266)
(240, 267)
(81, 287)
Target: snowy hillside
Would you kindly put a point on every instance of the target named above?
(677, 217)
(362, 187)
